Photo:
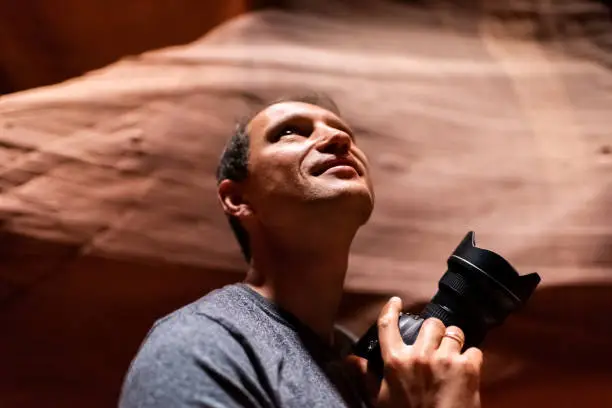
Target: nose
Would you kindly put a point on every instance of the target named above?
(334, 141)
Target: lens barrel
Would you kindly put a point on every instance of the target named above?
(477, 292)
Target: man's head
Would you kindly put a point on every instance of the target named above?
(294, 168)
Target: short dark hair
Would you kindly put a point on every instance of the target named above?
(233, 164)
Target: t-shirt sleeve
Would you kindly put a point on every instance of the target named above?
(198, 364)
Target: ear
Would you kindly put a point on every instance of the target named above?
(232, 198)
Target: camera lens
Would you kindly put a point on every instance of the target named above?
(477, 292)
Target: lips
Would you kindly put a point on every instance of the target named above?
(328, 164)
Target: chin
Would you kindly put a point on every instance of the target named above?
(350, 199)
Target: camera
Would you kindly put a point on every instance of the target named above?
(477, 292)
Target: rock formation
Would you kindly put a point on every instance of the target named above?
(489, 121)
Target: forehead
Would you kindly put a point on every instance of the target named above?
(282, 111)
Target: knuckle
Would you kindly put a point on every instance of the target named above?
(394, 361)
(421, 361)
(385, 321)
(458, 362)
(477, 353)
(474, 356)
(434, 322)
(467, 367)
(443, 362)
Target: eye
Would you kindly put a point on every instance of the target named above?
(288, 130)
(291, 130)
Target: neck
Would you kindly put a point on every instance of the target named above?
(307, 282)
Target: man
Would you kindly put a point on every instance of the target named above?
(296, 188)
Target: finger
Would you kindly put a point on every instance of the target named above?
(356, 364)
(429, 337)
(389, 336)
(474, 356)
(452, 341)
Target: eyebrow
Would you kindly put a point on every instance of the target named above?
(331, 120)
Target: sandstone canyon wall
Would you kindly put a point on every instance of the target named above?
(44, 42)
(491, 119)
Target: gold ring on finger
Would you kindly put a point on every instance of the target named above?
(455, 337)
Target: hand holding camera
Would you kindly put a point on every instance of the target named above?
(431, 360)
(431, 373)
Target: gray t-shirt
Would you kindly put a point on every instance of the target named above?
(234, 348)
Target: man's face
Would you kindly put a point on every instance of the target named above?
(302, 155)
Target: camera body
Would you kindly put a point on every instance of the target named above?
(477, 292)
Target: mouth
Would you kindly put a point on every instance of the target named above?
(340, 164)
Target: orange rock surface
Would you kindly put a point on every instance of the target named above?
(495, 121)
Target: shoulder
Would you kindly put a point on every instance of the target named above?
(207, 329)
(190, 353)
(187, 336)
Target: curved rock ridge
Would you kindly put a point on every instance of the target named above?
(109, 218)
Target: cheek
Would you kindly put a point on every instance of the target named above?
(278, 170)
(361, 156)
